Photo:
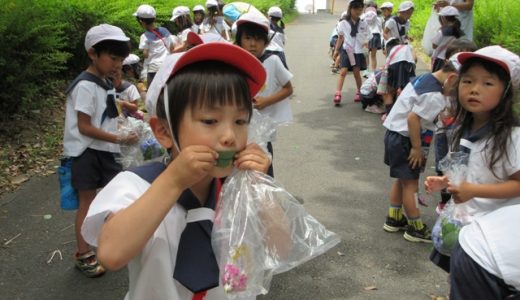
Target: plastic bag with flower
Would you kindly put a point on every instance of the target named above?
(261, 230)
(445, 232)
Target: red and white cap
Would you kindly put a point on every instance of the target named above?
(217, 51)
(180, 11)
(449, 11)
(255, 18)
(145, 11)
(500, 56)
(104, 32)
(406, 5)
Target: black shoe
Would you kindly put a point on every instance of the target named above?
(418, 236)
(393, 225)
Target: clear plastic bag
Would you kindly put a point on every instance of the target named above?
(445, 232)
(261, 230)
(431, 28)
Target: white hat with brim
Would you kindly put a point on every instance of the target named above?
(449, 11)
(275, 11)
(180, 11)
(199, 7)
(104, 32)
(211, 3)
(506, 59)
(387, 5)
(145, 11)
(216, 51)
(131, 59)
(254, 18)
(404, 6)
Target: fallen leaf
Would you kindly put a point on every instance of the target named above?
(19, 179)
(341, 253)
(370, 288)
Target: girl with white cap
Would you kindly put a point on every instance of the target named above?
(213, 22)
(198, 16)
(181, 18)
(449, 32)
(277, 40)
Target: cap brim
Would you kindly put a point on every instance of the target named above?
(464, 56)
(239, 22)
(229, 54)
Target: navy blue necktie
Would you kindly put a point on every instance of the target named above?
(196, 266)
(474, 136)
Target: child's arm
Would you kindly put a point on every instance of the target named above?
(386, 33)
(130, 106)
(85, 127)
(263, 102)
(435, 183)
(503, 190)
(337, 47)
(415, 157)
(126, 232)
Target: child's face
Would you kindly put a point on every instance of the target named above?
(407, 14)
(356, 12)
(198, 17)
(387, 12)
(222, 128)
(480, 91)
(106, 64)
(253, 45)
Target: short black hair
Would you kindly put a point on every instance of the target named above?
(204, 83)
(117, 48)
(251, 29)
(147, 21)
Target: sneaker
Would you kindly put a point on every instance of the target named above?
(440, 208)
(375, 109)
(393, 225)
(334, 70)
(418, 236)
(88, 265)
(357, 97)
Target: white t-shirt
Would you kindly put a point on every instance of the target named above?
(466, 20)
(89, 98)
(427, 106)
(217, 28)
(350, 42)
(400, 53)
(131, 94)
(150, 272)
(394, 29)
(158, 49)
(493, 242)
(277, 42)
(277, 77)
(442, 42)
(479, 172)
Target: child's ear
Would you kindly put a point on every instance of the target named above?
(91, 52)
(161, 132)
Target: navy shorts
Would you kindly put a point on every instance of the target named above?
(397, 150)
(93, 169)
(361, 61)
(375, 41)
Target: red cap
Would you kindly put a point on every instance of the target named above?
(231, 55)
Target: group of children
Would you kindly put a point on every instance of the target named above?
(201, 97)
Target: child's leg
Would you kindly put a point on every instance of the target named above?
(357, 76)
(85, 199)
(416, 231)
(373, 59)
(395, 220)
(339, 85)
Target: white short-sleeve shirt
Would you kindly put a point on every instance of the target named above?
(394, 27)
(442, 42)
(493, 242)
(131, 94)
(157, 48)
(150, 272)
(466, 20)
(89, 98)
(354, 42)
(427, 106)
(277, 77)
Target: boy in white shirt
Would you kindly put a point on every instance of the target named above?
(156, 42)
(252, 35)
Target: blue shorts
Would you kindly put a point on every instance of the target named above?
(397, 150)
(93, 169)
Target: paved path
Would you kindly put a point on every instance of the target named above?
(330, 157)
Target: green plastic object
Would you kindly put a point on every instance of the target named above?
(225, 158)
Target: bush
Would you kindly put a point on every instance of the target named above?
(32, 55)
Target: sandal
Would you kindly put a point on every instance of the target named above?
(337, 98)
(357, 97)
(88, 265)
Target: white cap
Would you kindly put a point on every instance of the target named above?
(501, 56)
(131, 59)
(104, 32)
(387, 5)
(275, 11)
(145, 11)
(211, 3)
(369, 15)
(404, 6)
(180, 11)
(255, 18)
(454, 60)
(199, 7)
(449, 11)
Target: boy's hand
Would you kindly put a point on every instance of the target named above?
(415, 158)
(129, 139)
(435, 183)
(192, 164)
(260, 103)
(462, 192)
(252, 158)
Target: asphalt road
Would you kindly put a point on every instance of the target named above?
(330, 157)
